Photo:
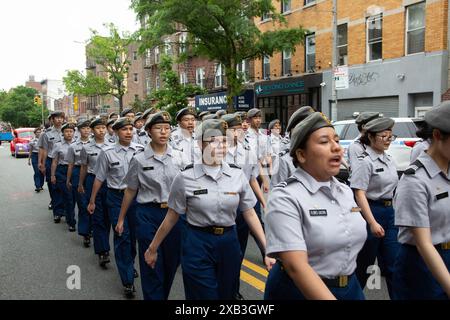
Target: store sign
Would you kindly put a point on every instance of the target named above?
(218, 101)
(280, 88)
(341, 78)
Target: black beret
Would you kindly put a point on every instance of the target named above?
(253, 113)
(273, 123)
(232, 120)
(68, 125)
(148, 112)
(159, 117)
(140, 117)
(185, 111)
(122, 122)
(298, 116)
(57, 114)
(83, 124)
(366, 117)
(97, 122)
(439, 117)
(126, 111)
(378, 125)
(313, 122)
(112, 114)
(202, 114)
(139, 114)
(110, 122)
(211, 128)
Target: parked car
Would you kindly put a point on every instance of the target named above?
(19, 146)
(400, 149)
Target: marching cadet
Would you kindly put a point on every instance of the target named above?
(421, 145)
(140, 137)
(183, 136)
(147, 113)
(150, 176)
(275, 137)
(422, 205)
(63, 199)
(73, 158)
(128, 113)
(46, 143)
(113, 116)
(33, 159)
(285, 167)
(314, 228)
(110, 135)
(112, 165)
(356, 148)
(99, 218)
(209, 194)
(374, 180)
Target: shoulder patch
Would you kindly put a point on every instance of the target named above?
(283, 153)
(107, 148)
(363, 155)
(141, 134)
(232, 165)
(287, 182)
(191, 166)
(416, 165)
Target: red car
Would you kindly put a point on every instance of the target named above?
(19, 145)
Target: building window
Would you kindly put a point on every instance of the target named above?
(342, 44)
(310, 53)
(375, 38)
(219, 75)
(135, 55)
(136, 78)
(285, 6)
(266, 68)
(200, 77)
(287, 62)
(148, 57)
(183, 40)
(157, 83)
(167, 47)
(243, 70)
(183, 78)
(148, 84)
(309, 1)
(415, 28)
(265, 16)
(156, 55)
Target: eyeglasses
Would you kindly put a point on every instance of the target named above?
(388, 138)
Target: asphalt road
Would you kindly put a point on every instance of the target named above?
(37, 257)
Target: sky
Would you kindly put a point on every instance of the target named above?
(45, 38)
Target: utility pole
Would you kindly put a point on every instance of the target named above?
(334, 63)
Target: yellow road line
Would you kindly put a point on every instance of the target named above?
(255, 268)
(251, 280)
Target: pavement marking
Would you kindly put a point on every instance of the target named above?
(254, 282)
(255, 268)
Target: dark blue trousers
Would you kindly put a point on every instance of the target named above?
(84, 219)
(38, 176)
(124, 245)
(100, 219)
(48, 173)
(211, 264)
(279, 286)
(384, 249)
(412, 278)
(157, 282)
(63, 197)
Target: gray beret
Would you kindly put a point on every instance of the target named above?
(83, 124)
(122, 122)
(209, 117)
(159, 117)
(57, 114)
(366, 117)
(439, 117)
(379, 124)
(110, 122)
(273, 123)
(137, 118)
(202, 114)
(299, 116)
(138, 114)
(253, 113)
(243, 114)
(126, 111)
(97, 122)
(221, 113)
(148, 112)
(313, 122)
(68, 125)
(112, 114)
(185, 111)
(211, 128)
(232, 120)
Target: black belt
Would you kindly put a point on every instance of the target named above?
(218, 231)
(162, 205)
(91, 174)
(382, 202)
(440, 246)
(117, 190)
(63, 165)
(77, 166)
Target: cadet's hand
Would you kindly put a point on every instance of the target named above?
(80, 189)
(263, 204)
(266, 186)
(377, 230)
(68, 185)
(91, 208)
(269, 262)
(53, 179)
(42, 169)
(29, 161)
(151, 257)
(119, 228)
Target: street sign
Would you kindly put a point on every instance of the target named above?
(341, 78)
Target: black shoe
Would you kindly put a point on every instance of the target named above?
(87, 242)
(129, 290)
(72, 229)
(37, 190)
(103, 259)
(50, 207)
(136, 274)
(57, 219)
(238, 296)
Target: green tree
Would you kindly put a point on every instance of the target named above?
(220, 30)
(111, 55)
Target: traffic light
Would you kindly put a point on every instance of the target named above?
(36, 100)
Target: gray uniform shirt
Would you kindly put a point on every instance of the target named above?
(48, 139)
(74, 152)
(113, 163)
(376, 174)
(418, 148)
(60, 150)
(355, 150)
(422, 200)
(209, 201)
(319, 218)
(283, 169)
(243, 157)
(152, 175)
(142, 138)
(90, 152)
(188, 146)
(34, 147)
(260, 143)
